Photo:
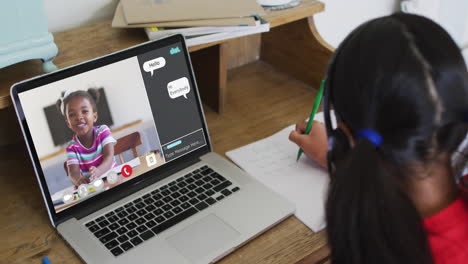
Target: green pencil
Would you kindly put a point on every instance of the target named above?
(312, 115)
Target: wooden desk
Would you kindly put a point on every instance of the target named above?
(261, 101)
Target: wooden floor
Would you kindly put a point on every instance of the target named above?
(260, 102)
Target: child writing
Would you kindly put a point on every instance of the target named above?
(399, 89)
(90, 153)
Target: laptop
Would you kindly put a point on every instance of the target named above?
(122, 155)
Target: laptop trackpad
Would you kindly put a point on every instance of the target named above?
(203, 237)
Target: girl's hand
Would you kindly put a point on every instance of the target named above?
(80, 180)
(95, 172)
(75, 175)
(314, 144)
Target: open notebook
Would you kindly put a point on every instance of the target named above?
(272, 161)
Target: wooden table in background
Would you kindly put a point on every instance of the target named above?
(256, 100)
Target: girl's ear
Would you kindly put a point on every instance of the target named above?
(95, 117)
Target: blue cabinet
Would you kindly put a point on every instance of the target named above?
(24, 34)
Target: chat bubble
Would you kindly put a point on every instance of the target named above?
(179, 87)
(152, 65)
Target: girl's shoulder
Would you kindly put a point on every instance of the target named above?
(101, 128)
(447, 232)
(450, 216)
(72, 144)
(103, 135)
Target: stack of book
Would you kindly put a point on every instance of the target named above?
(201, 21)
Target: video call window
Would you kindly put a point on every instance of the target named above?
(97, 110)
(101, 128)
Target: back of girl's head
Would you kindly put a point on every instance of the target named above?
(403, 77)
(92, 95)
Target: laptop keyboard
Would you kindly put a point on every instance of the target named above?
(139, 220)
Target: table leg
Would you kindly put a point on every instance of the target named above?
(48, 65)
(297, 49)
(211, 73)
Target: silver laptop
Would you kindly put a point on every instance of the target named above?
(122, 154)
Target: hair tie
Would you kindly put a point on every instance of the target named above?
(370, 135)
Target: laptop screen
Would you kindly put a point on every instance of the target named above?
(102, 127)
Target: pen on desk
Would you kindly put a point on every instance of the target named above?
(312, 115)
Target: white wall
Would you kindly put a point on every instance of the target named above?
(341, 16)
(67, 14)
(452, 15)
(126, 96)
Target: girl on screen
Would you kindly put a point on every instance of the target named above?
(90, 153)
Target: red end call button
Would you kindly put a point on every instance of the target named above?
(126, 171)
